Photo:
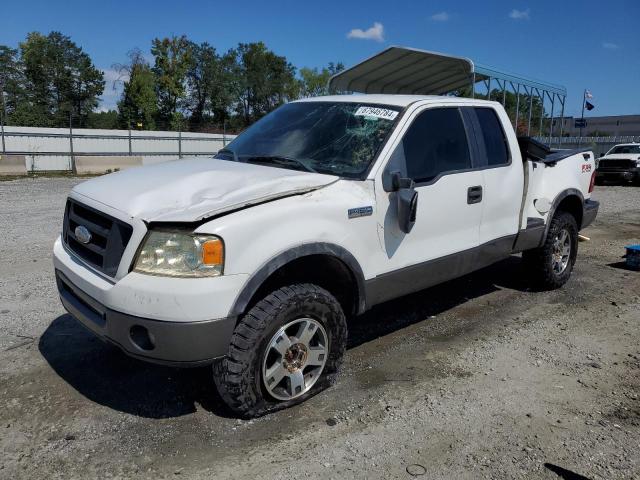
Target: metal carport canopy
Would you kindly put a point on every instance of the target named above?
(403, 70)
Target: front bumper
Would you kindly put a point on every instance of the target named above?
(629, 175)
(187, 320)
(159, 341)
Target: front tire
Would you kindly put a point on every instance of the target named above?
(550, 265)
(287, 348)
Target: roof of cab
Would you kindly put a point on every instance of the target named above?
(392, 100)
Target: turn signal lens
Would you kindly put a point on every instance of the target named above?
(592, 183)
(212, 252)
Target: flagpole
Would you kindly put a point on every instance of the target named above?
(584, 99)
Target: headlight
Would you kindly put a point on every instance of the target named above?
(176, 254)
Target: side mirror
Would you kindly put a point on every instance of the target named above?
(406, 196)
(602, 154)
(394, 181)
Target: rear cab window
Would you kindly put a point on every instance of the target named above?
(495, 141)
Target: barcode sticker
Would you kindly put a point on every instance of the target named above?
(376, 112)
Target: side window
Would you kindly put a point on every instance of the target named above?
(436, 142)
(494, 140)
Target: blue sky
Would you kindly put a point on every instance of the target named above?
(578, 44)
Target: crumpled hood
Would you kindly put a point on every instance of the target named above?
(193, 189)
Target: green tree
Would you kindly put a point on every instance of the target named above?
(138, 106)
(11, 83)
(60, 80)
(314, 82)
(173, 56)
(211, 86)
(105, 120)
(266, 80)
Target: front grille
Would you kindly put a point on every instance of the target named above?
(618, 164)
(109, 236)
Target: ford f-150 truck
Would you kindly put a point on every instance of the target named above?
(252, 261)
(620, 164)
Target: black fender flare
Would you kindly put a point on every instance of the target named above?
(569, 192)
(258, 278)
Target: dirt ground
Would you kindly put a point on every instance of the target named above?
(476, 378)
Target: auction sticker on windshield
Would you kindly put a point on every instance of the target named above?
(376, 112)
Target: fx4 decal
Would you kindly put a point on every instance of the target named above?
(586, 167)
(360, 212)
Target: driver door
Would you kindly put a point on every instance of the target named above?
(435, 151)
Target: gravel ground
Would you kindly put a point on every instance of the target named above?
(476, 378)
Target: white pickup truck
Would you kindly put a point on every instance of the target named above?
(252, 260)
(621, 163)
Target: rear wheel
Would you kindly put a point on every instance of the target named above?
(288, 347)
(550, 265)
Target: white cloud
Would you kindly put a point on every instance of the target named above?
(113, 84)
(610, 46)
(519, 14)
(376, 32)
(440, 17)
(111, 75)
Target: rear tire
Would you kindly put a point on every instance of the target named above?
(287, 348)
(550, 265)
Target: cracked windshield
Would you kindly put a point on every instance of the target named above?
(337, 138)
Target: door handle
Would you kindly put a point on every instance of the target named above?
(474, 194)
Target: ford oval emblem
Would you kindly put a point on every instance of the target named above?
(83, 235)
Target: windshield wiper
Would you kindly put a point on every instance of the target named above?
(279, 159)
(228, 150)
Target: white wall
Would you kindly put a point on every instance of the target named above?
(25, 140)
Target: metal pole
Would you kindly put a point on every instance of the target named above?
(473, 85)
(530, 93)
(553, 101)
(540, 133)
(3, 113)
(180, 142)
(504, 93)
(489, 89)
(224, 133)
(561, 119)
(130, 150)
(517, 108)
(74, 170)
(584, 97)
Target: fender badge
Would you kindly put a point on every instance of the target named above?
(360, 212)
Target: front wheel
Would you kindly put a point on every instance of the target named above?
(288, 347)
(550, 265)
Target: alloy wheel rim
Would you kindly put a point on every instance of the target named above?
(295, 358)
(561, 251)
